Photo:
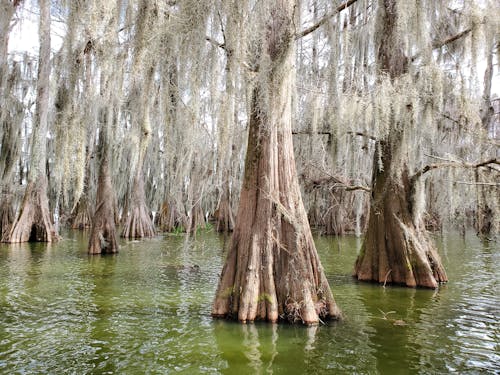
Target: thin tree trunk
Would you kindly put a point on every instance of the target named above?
(7, 10)
(82, 212)
(169, 218)
(10, 130)
(486, 202)
(33, 222)
(9, 136)
(272, 270)
(224, 213)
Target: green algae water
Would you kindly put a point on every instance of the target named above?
(147, 311)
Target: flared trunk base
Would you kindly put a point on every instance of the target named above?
(396, 250)
(138, 224)
(82, 218)
(33, 223)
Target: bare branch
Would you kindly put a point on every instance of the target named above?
(441, 43)
(476, 183)
(441, 158)
(323, 132)
(325, 19)
(336, 182)
(448, 117)
(310, 132)
(361, 134)
(357, 187)
(215, 43)
(453, 164)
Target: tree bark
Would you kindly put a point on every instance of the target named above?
(82, 216)
(11, 116)
(273, 271)
(33, 222)
(224, 213)
(138, 223)
(6, 215)
(103, 238)
(7, 9)
(396, 248)
(486, 224)
(103, 232)
(169, 218)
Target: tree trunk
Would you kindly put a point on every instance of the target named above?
(138, 223)
(103, 238)
(224, 213)
(103, 232)
(169, 218)
(487, 222)
(33, 222)
(487, 198)
(396, 248)
(82, 216)
(6, 215)
(272, 270)
(11, 116)
(7, 10)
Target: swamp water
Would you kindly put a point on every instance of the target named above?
(147, 310)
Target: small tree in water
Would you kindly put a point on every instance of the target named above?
(272, 270)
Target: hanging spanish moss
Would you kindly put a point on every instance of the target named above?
(263, 119)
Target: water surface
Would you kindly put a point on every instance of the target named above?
(147, 310)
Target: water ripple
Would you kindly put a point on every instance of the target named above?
(147, 310)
